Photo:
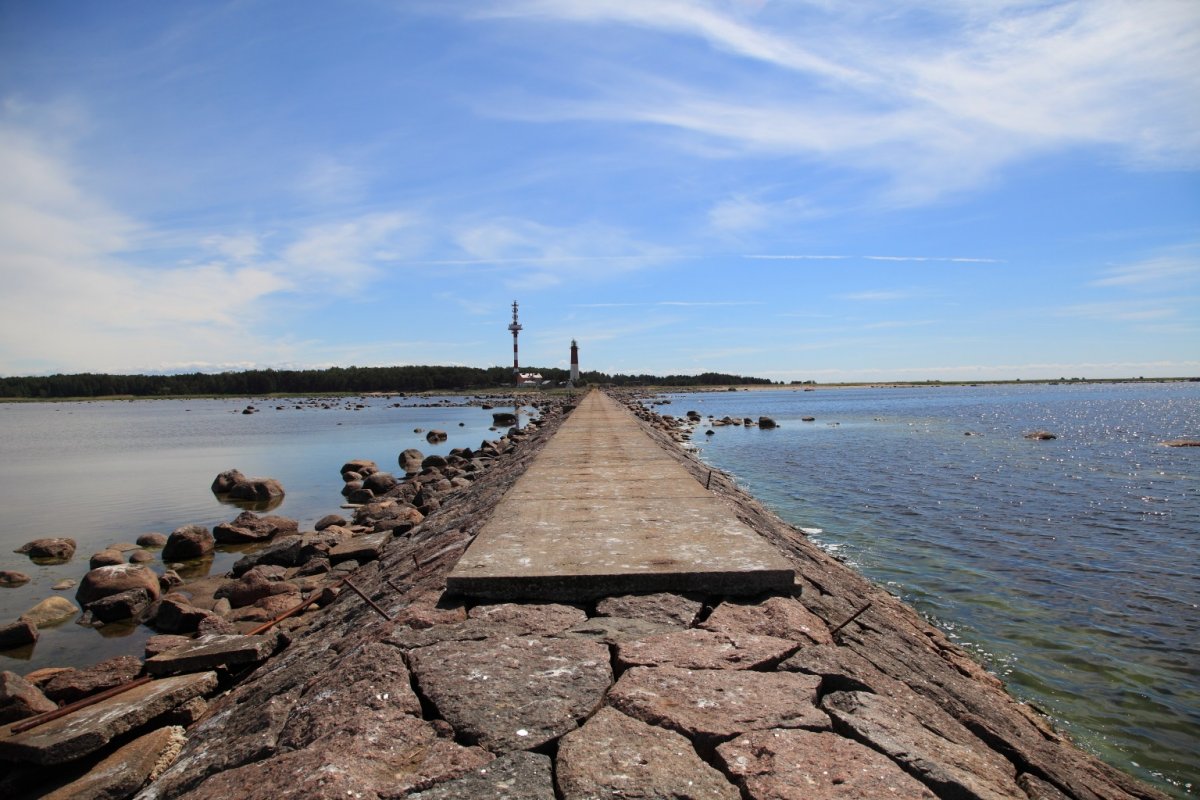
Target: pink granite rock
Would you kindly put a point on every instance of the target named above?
(104, 581)
(532, 618)
(513, 693)
(782, 617)
(76, 684)
(19, 698)
(960, 768)
(802, 765)
(372, 679)
(665, 608)
(366, 757)
(699, 649)
(613, 755)
(718, 703)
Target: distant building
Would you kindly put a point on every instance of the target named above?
(532, 378)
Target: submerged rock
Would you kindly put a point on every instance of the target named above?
(56, 549)
(51, 611)
(10, 577)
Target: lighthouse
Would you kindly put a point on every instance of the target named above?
(515, 327)
(574, 362)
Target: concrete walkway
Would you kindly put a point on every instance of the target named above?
(603, 510)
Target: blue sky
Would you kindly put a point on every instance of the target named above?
(951, 189)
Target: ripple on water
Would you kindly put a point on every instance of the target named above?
(1067, 566)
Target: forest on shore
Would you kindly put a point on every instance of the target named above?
(331, 380)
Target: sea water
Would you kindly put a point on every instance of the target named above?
(1069, 567)
(107, 472)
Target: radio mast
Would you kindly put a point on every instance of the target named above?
(515, 327)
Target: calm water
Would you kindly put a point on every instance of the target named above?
(105, 472)
(1068, 566)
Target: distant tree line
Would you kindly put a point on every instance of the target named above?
(319, 381)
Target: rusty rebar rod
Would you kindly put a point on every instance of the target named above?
(370, 602)
(312, 598)
(853, 617)
(70, 708)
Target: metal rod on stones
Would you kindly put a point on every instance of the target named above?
(370, 602)
(853, 617)
(394, 586)
(266, 626)
(708, 482)
(33, 722)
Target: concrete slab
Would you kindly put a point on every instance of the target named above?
(604, 511)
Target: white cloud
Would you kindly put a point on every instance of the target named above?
(1168, 271)
(531, 256)
(968, 89)
(1121, 311)
(342, 255)
(878, 296)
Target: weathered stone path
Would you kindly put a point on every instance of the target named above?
(605, 510)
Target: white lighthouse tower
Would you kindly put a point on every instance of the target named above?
(574, 362)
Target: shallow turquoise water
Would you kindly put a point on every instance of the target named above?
(1068, 566)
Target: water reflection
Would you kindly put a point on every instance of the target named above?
(250, 505)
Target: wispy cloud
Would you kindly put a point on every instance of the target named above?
(1169, 271)
(932, 259)
(952, 260)
(879, 296)
(552, 254)
(769, 257)
(932, 114)
(1121, 311)
(674, 303)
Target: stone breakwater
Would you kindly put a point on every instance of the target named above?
(797, 693)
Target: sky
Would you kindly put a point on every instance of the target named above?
(802, 190)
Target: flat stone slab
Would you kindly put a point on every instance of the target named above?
(719, 703)
(515, 693)
(697, 649)
(602, 511)
(668, 609)
(211, 651)
(366, 758)
(361, 548)
(801, 765)
(613, 755)
(88, 729)
(126, 770)
(962, 769)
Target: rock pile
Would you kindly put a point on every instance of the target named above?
(638, 696)
(213, 632)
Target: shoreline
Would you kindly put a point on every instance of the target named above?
(557, 391)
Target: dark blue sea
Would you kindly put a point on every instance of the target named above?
(1069, 567)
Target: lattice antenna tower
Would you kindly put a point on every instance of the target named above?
(515, 327)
